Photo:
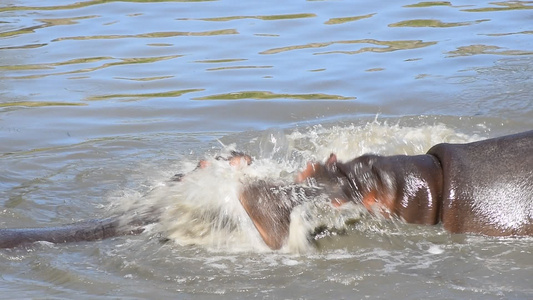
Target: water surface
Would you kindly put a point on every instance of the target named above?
(101, 101)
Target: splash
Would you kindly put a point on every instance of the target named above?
(204, 208)
(376, 137)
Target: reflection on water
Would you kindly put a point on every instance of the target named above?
(486, 49)
(433, 23)
(76, 139)
(124, 61)
(503, 6)
(342, 20)
(141, 51)
(149, 35)
(269, 95)
(147, 95)
(82, 4)
(389, 46)
(39, 104)
(264, 18)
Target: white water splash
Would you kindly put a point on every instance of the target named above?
(348, 142)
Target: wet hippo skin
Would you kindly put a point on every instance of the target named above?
(487, 186)
(484, 187)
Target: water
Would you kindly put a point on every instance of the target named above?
(101, 101)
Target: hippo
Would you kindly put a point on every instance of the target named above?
(483, 187)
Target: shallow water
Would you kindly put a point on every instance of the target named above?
(101, 101)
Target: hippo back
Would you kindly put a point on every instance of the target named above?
(488, 185)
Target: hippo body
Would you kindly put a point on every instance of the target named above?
(487, 186)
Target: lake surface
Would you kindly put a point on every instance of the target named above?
(102, 101)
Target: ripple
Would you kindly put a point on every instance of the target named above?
(239, 67)
(163, 34)
(485, 49)
(123, 61)
(20, 31)
(264, 18)
(503, 6)
(86, 4)
(433, 23)
(46, 23)
(145, 95)
(39, 104)
(52, 65)
(509, 33)
(29, 46)
(216, 61)
(262, 95)
(146, 78)
(429, 4)
(347, 19)
(389, 46)
(65, 21)
(159, 44)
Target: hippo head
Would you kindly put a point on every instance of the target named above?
(270, 205)
(359, 181)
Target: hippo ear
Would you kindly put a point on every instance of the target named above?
(331, 163)
(308, 172)
(332, 159)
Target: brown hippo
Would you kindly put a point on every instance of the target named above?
(484, 187)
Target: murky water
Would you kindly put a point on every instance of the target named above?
(101, 101)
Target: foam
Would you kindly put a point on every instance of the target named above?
(375, 137)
